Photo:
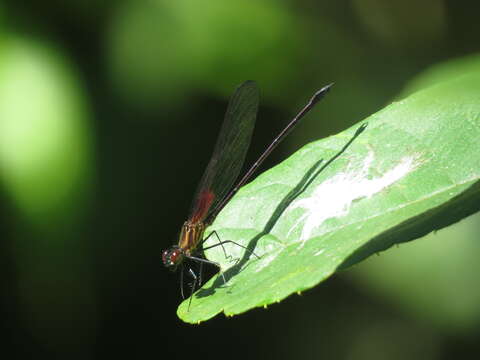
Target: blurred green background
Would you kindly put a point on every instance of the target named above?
(108, 114)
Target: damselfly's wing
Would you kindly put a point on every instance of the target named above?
(229, 153)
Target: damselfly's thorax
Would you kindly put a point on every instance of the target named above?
(190, 236)
(189, 239)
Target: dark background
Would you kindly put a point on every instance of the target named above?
(108, 115)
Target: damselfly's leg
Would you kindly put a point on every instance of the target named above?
(194, 285)
(205, 261)
(200, 274)
(221, 243)
(181, 282)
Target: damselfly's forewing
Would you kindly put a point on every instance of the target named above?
(229, 152)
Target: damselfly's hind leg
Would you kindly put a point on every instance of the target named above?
(221, 243)
(205, 261)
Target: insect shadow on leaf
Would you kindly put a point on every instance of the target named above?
(302, 185)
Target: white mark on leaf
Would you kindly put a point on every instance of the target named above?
(265, 261)
(334, 197)
(319, 252)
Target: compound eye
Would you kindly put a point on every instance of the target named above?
(165, 256)
(174, 256)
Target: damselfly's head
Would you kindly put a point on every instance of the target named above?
(172, 257)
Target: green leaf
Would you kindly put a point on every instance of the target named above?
(414, 169)
(444, 71)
